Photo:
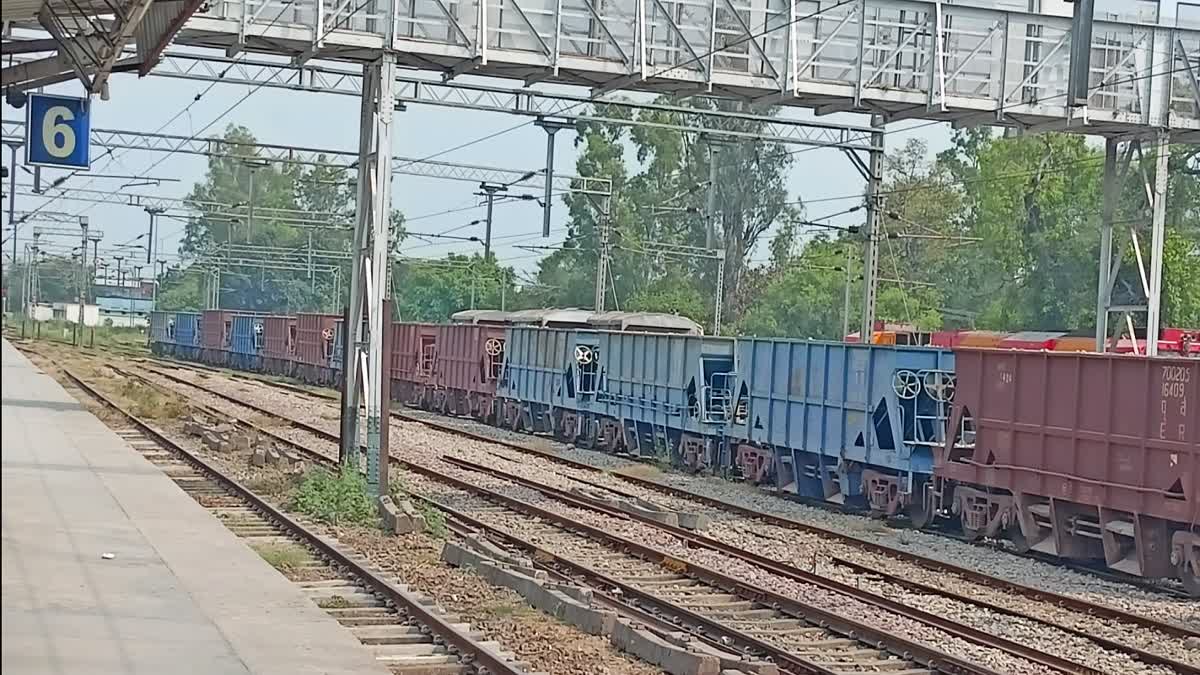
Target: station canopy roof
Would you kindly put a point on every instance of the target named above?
(53, 41)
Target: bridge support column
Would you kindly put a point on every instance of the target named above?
(365, 355)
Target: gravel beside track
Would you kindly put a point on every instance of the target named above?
(418, 443)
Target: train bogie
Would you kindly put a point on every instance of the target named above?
(1081, 456)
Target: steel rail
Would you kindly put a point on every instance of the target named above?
(932, 564)
(751, 592)
(400, 598)
(793, 573)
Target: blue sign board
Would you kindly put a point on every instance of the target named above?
(58, 132)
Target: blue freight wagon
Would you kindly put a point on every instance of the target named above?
(187, 335)
(652, 394)
(246, 342)
(841, 422)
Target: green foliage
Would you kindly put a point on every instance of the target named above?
(336, 499)
(434, 290)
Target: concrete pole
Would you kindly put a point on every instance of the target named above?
(12, 202)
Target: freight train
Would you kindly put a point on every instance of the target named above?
(1080, 456)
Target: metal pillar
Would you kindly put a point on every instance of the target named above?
(364, 354)
(710, 210)
(1104, 288)
(489, 191)
(871, 254)
(552, 127)
(12, 201)
(1158, 223)
(846, 300)
(150, 244)
(602, 256)
(720, 256)
(83, 225)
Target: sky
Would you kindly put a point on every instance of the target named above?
(331, 121)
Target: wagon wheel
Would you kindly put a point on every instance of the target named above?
(906, 384)
(583, 355)
(920, 509)
(327, 334)
(493, 347)
(1191, 582)
(940, 385)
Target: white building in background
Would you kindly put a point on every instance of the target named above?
(69, 312)
(41, 312)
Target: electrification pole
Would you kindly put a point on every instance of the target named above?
(364, 367)
(12, 201)
(552, 127)
(150, 247)
(489, 191)
(871, 257)
(602, 256)
(1158, 223)
(83, 225)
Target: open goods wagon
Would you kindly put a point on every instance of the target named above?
(413, 359)
(185, 342)
(651, 394)
(314, 347)
(1081, 456)
(161, 327)
(846, 423)
(245, 342)
(279, 344)
(468, 363)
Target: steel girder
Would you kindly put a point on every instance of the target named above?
(520, 101)
(967, 65)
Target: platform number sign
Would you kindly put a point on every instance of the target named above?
(58, 130)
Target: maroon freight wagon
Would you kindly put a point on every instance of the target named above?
(413, 355)
(1079, 456)
(215, 329)
(279, 346)
(468, 364)
(314, 347)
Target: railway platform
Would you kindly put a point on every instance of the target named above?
(110, 568)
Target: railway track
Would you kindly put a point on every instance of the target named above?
(463, 428)
(585, 470)
(405, 631)
(1061, 665)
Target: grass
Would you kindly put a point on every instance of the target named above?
(335, 602)
(435, 520)
(337, 499)
(283, 557)
(148, 403)
(98, 336)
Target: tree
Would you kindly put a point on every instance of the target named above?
(664, 200)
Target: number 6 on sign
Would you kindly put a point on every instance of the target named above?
(58, 128)
(59, 139)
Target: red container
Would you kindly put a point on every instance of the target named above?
(277, 337)
(314, 338)
(214, 328)
(1092, 455)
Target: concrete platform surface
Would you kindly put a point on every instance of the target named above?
(181, 595)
